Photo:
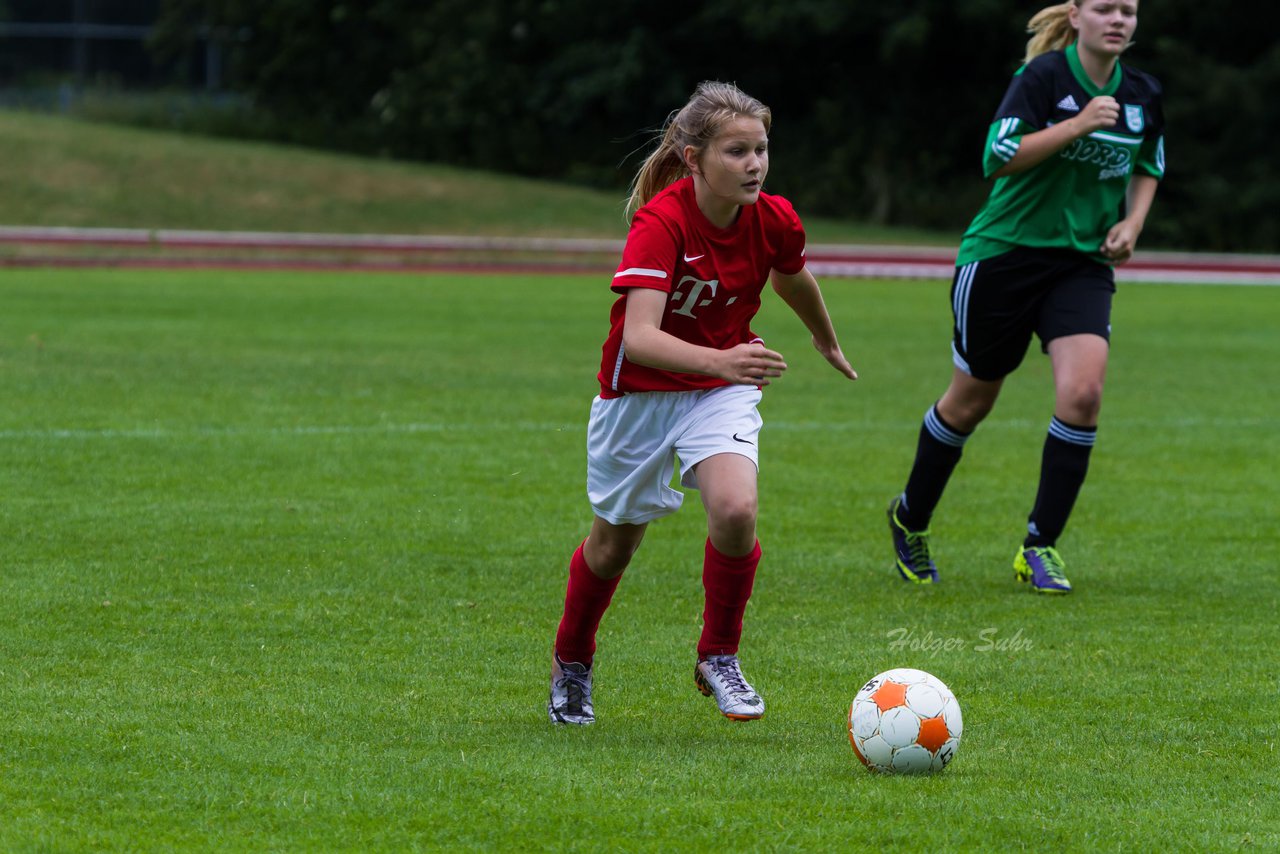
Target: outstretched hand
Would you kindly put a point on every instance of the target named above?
(751, 364)
(836, 358)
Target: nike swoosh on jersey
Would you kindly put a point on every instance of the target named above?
(689, 259)
(743, 441)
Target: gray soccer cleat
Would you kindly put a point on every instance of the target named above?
(721, 676)
(570, 701)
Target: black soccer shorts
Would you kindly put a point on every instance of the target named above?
(999, 302)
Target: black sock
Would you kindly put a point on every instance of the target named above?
(937, 453)
(1062, 469)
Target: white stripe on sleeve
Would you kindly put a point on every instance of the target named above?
(641, 271)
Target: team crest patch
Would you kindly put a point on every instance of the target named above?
(1133, 117)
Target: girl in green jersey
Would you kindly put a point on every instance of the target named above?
(1076, 151)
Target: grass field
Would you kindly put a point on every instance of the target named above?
(284, 555)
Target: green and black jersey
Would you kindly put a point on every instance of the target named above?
(1071, 200)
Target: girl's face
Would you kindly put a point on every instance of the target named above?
(733, 166)
(1105, 27)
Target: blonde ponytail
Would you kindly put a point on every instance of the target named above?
(1050, 29)
(710, 108)
(662, 167)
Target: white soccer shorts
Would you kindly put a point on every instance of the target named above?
(633, 442)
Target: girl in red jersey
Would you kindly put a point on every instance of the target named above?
(680, 379)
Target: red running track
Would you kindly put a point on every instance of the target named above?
(30, 246)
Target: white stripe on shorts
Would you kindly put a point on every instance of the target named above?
(960, 301)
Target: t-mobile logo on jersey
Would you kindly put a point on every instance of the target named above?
(692, 298)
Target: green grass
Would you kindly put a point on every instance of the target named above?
(284, 555)
(64, 172)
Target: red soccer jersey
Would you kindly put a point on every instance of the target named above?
(712, 277)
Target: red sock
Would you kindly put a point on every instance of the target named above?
(727, 581)
(585, 601)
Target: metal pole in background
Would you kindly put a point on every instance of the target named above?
(79, 44)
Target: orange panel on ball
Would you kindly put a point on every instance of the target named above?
(933, 734)
(890, 695)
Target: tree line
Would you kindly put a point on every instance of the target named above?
(880, 109)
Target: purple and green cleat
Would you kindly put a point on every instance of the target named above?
(912, 557)
(1044, 568)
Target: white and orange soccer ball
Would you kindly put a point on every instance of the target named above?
(905, 721)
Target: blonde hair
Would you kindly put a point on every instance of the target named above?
(697, 123)
(1050, 29)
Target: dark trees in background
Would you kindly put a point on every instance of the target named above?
(880, 108)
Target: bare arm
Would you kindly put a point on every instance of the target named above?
(647, 344)
(1123, 236)
(1038, 146)
(800, 291)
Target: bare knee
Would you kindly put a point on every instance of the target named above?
(964, 413)
(1080, 402)
(732, 524)
(609, 548)
(968, 414)
(612, 557)
(967, 401)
